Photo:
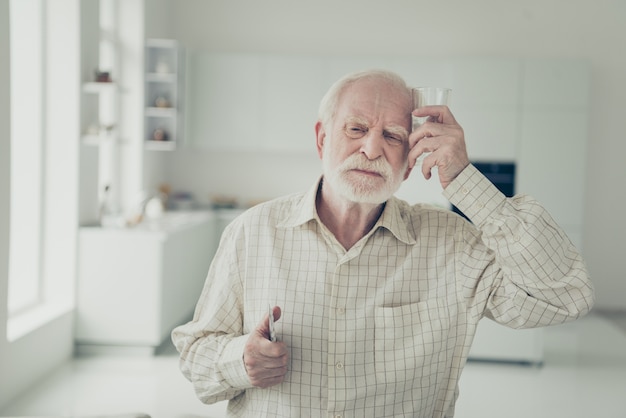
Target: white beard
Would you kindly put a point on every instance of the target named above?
(361, 188)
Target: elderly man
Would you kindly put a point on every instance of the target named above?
(376, 301)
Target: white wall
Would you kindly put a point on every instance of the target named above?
(592, 31)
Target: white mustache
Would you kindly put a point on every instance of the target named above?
(359, 162)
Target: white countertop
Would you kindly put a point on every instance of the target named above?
(171, 221)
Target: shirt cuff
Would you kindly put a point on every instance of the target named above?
(474, 195)
(232, 368)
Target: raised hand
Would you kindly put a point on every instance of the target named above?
(444, 139)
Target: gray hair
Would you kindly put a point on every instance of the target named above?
(330, 101)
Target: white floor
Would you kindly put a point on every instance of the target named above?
(584, 376)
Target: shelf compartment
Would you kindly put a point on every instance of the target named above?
(99, 87)
(160, 145)
(162, 96)
(160, 112)
(161, 77)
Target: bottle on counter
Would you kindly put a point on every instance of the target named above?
(109, 215)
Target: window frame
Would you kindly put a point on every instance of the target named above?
(27, 89)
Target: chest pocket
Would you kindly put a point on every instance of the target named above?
(411, 343)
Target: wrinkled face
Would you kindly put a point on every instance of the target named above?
(365, 152)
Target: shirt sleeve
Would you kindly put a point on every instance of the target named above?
(211, 345)
(527, 273)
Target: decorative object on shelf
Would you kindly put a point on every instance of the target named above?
(182, 200)
(108, 129)
(102, 76)
(92, 130)
(165, 190)
(162, 67)
(154, 208)
(100, 130)
(223, 202)
(109, 212)
(162, 102)
(160, 134)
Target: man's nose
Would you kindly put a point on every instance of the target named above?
(372, 145)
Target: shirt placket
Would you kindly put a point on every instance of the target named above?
(338, 366)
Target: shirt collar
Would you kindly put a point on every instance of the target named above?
(305, 210)
(391, 218)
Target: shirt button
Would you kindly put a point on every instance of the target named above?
(339, 365)
(464, 190)
(341, 311)
(338, 416)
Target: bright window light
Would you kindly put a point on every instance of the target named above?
(27, 98)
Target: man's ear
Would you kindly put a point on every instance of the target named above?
(320, 136)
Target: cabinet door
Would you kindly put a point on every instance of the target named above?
(292, 89)
(186, 257)
(553, 137)
(118, 288)
(552, 161)
(491, 132)
(224, 100)
(484, 82)
(485, 102)
(557, 83)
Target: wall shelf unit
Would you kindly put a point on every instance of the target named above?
(98, 87)
(99, 112)
(163, 95)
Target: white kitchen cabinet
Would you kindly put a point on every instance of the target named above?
(553, 139)
(269, 102)
(289, 81)
(224, 102)
(136, 284)
(552, 161)
(491, 132)
(163, 94)
(556, 83)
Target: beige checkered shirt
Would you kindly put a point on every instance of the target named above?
(383, 329)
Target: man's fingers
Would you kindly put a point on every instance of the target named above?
(277, 312)
(267, 365)
(439, 114)
(267, 382)
(422, 145)
(267, 357)
(265, 361)
(263, 328)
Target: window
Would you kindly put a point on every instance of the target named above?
(45, 151)
(27, 99)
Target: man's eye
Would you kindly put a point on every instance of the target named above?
(355, 131)
(394, 139)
